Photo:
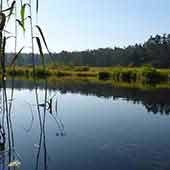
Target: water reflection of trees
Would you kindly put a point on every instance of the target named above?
(154, 100)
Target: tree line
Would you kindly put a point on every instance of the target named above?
(155, 51)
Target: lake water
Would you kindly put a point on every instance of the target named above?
(86, 127)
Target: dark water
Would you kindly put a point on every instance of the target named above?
(87, 127)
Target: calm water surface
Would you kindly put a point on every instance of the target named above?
(88, 127)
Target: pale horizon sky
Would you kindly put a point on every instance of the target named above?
(75, 25)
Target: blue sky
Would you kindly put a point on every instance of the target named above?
(79, 25)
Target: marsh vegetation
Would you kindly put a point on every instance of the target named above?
(146, 74)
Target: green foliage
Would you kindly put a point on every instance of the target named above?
(23, 16)
(128, 75)
(86, 74)
(16, 56)
(125, 74)
(145, 74)
(43, 38)
(16, 72)
(83, 68)
(104, 75)
(62, 74)
(150, 74)
(41, 51)
(40, 72)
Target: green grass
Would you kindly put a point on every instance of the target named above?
(145, 74)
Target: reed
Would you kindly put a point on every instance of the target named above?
(22, 10)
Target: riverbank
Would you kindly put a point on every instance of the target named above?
(88, 82)
(145, 74)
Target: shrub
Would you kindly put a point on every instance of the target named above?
(128, 75)
(27, 73)
(86, 74)
(117, 74)
(150, 74)
(125, 74)
(83, 68)
(40, 72)
(61, 74)
(104, 75)
(16, 72)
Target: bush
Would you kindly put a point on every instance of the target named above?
(128, 75)
(40, 72)
(125, 74)
(27, 73)
(86, 74)
(117, 73)
(104, 75)
(61, 74)
(16, 71)
(83, 68)
(150, 74)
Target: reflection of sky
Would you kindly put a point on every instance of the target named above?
(77, 24)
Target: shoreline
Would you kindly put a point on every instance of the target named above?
(88, 81)
(146, 74)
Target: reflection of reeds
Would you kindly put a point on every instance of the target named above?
(6, 109)
(42, 123)
(42, 128)
(7, 126)
(32, 118)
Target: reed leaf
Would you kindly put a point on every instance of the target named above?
(10, 37)
(56, 107)
(3, 55)
(45, 43)
(40, 51)
(43, 38)
(11, 9)
(2, 21)
(5, 31)
(7, 2)
(16, 56)
(20, 23)
(22, 13)
(37, 6)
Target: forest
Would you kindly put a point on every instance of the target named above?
(155, 51)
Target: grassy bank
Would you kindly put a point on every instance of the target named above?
(145, 74)
(92, 82)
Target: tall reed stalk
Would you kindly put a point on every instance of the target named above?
(32, 38)
(19, 9)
